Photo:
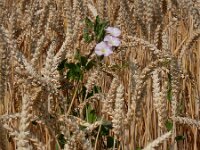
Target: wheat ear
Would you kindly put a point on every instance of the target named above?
(125, 12)
(140, 87)
(5, 55)
(175, 89)
(118, 111)
(187, 121)
(92, 81)
(153, 49)
(159, 98)
(77, 137)
(22, 136)
(3, 137)
(109, 101)
(37, 143)
(189, 44)
(92, 9)
(139, 10)
(149, 12)
(156, 142)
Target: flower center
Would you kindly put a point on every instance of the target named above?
(111, 42)
(103, 50)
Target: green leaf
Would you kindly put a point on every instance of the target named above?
(104, 130)
(105, 127)
(83, 61)
(96, 89)
(77, 55)
(125, 64)
(96, 25)
(61, 65)
(179, 138)
(110, 141)
(89, 23)
(88, 30)
(99, 29)
(70, 65)
(57, 147)
(138, 148)
(61, 140)
(81, 127)
(169, 125)
(169, 95)
(34, 122)
(91, 114)
(100, 58)
(90, 64)
(70, 75)
(170, 77)
(83, 91)
(74, 72)
(107, 123)
(169, 91)
(88, 37)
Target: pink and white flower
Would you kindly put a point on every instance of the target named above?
(112, 41)
(103, 48)
(113, 31)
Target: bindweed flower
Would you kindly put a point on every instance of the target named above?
(113, 31)
(112, 41)
(103, 48)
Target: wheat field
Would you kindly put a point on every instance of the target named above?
(60, 90)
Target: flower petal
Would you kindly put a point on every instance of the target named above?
(99, 53)
(108, 52)
(113, 31)
(103, 48)
(112, 41)
(100, 46)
